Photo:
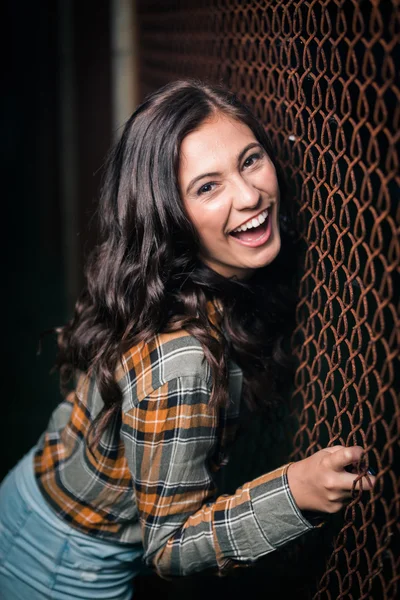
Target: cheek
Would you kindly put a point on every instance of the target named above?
(267, 179)
(210, 218)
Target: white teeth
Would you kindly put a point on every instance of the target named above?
(255, 222)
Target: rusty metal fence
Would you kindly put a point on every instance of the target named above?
(323, 76)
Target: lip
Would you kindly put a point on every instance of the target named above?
(250, 218)
(263, 239)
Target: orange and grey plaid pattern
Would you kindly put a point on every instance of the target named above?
(152, 477)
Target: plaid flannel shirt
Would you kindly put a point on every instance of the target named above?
(152, 477)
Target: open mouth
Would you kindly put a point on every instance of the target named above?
(255, 233)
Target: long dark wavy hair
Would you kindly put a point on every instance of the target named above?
(144, 276)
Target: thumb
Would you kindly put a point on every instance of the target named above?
(332, 449)
(344, 456)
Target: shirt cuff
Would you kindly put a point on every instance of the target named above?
(314, 518)
(274, 507)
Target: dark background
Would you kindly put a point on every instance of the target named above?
(43, 266)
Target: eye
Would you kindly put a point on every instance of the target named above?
(206, 188)
(252, 159)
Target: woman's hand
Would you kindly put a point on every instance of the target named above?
(321, 483)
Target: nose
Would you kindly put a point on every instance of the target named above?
(245, 195)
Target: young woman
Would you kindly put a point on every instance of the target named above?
(178, 329)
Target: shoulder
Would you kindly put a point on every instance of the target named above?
(168, 356)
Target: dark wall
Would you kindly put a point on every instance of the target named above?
(33, 295)
(92, 71)
(34, 246)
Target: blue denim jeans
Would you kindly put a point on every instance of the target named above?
(43, 558)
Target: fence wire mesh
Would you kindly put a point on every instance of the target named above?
(323, 77)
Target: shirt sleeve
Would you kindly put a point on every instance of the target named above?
(169, 438)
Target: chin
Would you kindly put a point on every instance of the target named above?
(269, 257)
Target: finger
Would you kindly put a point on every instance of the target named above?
(353, 468)
(344, 456)
(333, 449)
(366, 482)
(347, 480)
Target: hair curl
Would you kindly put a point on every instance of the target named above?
(144, 276)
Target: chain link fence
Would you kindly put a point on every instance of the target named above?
(323, 77)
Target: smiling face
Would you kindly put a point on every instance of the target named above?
(229, 188)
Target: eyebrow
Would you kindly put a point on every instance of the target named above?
(215, 173)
